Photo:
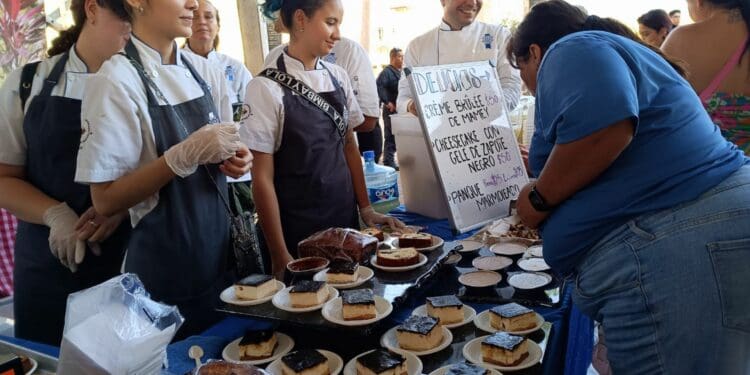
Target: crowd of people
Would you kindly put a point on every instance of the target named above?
(115, 153)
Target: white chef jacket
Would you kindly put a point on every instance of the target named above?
(72, 84)
(265, 122)
(237, 76)
(476, 42)
(118, 137)
(235, 72)
(350, 55)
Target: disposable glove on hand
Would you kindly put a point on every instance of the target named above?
(370, 217)
(210, 144)
(63, 238)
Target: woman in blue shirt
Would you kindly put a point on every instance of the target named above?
(641, 202)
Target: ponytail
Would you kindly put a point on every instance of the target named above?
(549, 21)
(68, 37)
(65, 40)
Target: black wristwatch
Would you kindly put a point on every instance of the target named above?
(538, 202)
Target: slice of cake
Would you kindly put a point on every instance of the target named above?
(305, 361)
(255, 287)
(418, 240)
(397, 257)
(375, 232)
(308, 293)
(512, 317)
(342, 271)
(466, 369)
(504, 349)
(449, 309)
(381, 362)
(257, 344)
(419, 333)
(358, 304)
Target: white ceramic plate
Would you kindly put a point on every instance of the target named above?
(332, 312)
(529, 280)
(533, 264)
(469, 314)
(284, 344)
(413, 364)
(34, 365)
(480, 279)
(436, 242)
(473, 354)
(482, 321)
(492, 263)
(453, 259)
(508, 248)
(335, 363)
(422, 262)
(281, 300)
(228, 296)
(390, 341)
(444, 369)
(470, 246)
(363, 275)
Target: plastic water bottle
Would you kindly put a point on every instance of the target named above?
(382, 184)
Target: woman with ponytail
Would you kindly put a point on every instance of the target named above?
(715, 49)
(62, 244)
(307, 174)
(643, 206)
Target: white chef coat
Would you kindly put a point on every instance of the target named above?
(118, 137)
(350, 55)
(476, 42)
(265, 122)
(235, 72)
(72, 84)
(237, 76)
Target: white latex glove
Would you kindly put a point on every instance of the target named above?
(63, 238)
(370, 217)
(210, 144)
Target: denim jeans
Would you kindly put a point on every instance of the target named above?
(672, 288)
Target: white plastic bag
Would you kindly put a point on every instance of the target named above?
(115, 328)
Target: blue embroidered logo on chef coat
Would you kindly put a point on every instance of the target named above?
(487, 40)
(229, 73)
(330, 58)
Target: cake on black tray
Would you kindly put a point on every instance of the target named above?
(449, 309)
(308, 293)
(381, 362)
(504, 349)
(255, 286)
(257, 344)
(305, 361)
(358, 304)
(419, 333)
(342, 271)
(512, 317)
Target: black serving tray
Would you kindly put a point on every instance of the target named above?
(395, 287)
(548, 296)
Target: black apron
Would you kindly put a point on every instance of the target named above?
(179, 250)
(311, 177)
(52, 126)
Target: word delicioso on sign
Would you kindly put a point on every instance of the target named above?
(472, 145)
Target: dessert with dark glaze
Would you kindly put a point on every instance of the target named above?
(342, 271)
(449, 309)
(512, 317)
(358, 304)
(305, 361)
(381, 362)
(254, 287)
(419, 333)
(504, 349)
(308, 293)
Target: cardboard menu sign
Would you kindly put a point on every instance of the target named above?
(472, 145)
